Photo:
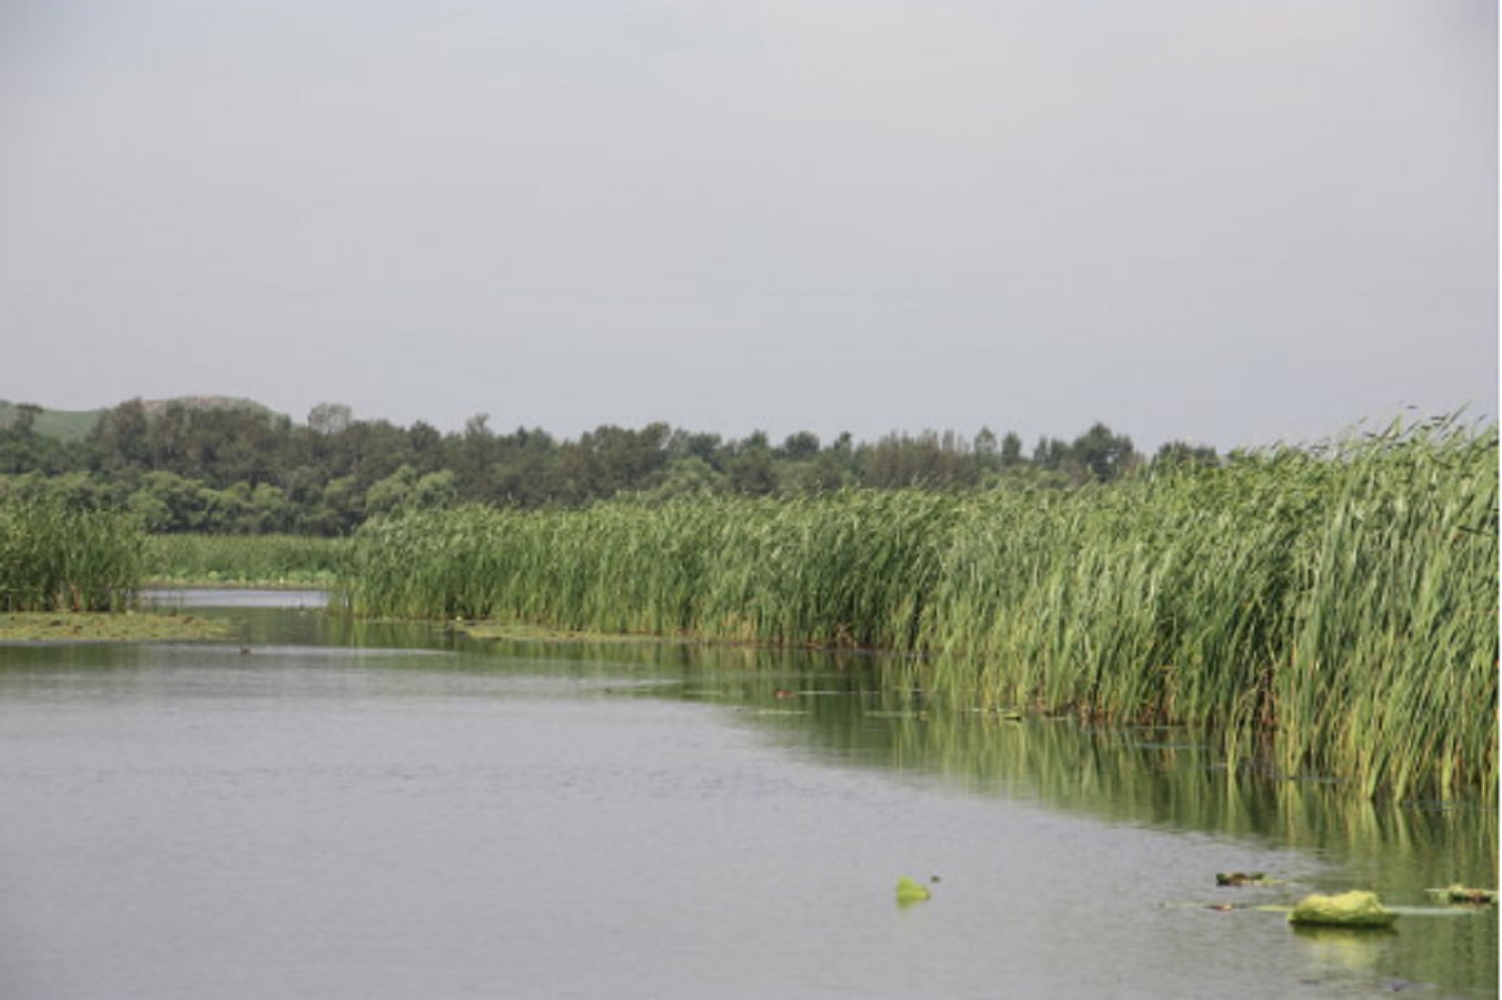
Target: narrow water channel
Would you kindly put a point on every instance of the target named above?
(327, 809)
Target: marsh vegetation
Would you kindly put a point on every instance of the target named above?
(56, 558)
(243, 560)
(1326, 612)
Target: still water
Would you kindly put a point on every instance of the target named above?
(325, 809)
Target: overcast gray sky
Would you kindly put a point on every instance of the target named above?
(1227, 222)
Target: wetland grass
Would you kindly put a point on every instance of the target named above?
(54, 558)
(852, 569)
(1326, 612)
(243, 560)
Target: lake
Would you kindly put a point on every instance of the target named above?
(332, 809)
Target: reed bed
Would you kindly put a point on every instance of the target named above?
(807, 571)
(244, 560)
(1327, 611)
(54, 558)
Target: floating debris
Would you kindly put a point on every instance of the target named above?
(1356, 908)
(910, 892)
(1236, 880)
(1461, 896)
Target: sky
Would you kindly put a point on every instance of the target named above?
(1231, 223)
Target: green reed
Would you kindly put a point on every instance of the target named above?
(852, 569)
(1328, 611)
(244, 560)
(54, 558)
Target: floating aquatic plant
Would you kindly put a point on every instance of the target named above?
(1461, 895)
(1356, 908)
(910, 891)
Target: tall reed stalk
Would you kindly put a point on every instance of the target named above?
(1329, 611)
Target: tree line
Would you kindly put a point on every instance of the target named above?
(242, 469)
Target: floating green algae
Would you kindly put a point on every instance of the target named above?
(1356, 908)
(910, 892)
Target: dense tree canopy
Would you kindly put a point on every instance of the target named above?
(188, 467)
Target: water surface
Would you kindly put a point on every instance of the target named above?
(326, 809)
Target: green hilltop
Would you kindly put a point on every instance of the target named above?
(75, 425)
(69, 425)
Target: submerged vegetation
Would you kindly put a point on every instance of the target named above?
(1328, 612)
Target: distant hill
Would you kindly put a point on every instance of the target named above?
(75, 425)
(69, 425)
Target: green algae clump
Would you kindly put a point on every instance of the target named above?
(1356, 908)
(909, 892)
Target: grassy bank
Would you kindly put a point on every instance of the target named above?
(1329, 611)
(243, 560)
(53, 558)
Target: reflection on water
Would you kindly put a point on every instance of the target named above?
(296, 599)
(860, 707)
(670, 806)
(855, 708)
